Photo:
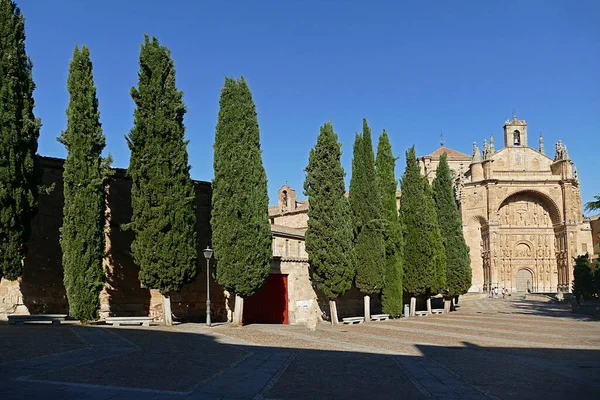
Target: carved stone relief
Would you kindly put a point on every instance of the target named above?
(525, 210)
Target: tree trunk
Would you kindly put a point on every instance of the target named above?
(447, 305)
(167, 315)
(413, 306)
(333, 312)
(428, 305)
(367, 309)
(238, 310)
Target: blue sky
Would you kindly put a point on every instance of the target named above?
(414, 68)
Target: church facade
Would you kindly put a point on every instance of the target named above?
(520, 207)
(521, 211)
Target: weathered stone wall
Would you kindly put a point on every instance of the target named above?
(595, 226)
(297, 219)
(289, 247)
(41, 288)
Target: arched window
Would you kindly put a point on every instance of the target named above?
(517, 138)
(285, 199)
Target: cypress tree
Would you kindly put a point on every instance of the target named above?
(329, 233)
(162, 193)
(84, 176)
(20, 173)
(240, 214)
(437, 245)
(458, 274)
(391, 298)
(369, 247)
(424, 257)
(583, 278)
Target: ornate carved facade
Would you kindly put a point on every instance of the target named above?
(521, 212)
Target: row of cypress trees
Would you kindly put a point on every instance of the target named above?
(162, 195)
(366, 241)
(361, 239)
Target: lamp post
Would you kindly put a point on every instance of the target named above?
(208, 252)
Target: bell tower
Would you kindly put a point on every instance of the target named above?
(515, 133)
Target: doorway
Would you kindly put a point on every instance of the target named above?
(270, 305)
(524, 280)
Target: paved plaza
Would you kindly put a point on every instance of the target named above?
(488, 349)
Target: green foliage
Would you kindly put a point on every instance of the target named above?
(593, 205)
(84, 176)
(162, 193)
(20, 173)
(329, 233)
(365, 201)
(424, 256)
(439, 259)
(240, 215)
(385, 163)
(458, 274)
(583, 280)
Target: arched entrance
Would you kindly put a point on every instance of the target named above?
(527, 243)
(524, 280)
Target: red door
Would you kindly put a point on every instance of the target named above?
(270, 305)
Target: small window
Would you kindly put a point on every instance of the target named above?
(584, 248)
(517, 138)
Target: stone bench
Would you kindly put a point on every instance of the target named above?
(421, 313)
(55, 319)
(118, 321)
(353, 320)
(438, 311)
(380, 317)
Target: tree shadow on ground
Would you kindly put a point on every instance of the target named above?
(191, 358)
(546, 309)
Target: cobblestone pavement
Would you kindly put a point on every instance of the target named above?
(488, 349)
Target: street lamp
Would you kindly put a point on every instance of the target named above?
(208, 252)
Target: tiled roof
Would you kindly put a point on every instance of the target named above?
(452, 154)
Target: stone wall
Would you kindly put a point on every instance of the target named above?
(289, 247)
(296, 219)
(41, 289)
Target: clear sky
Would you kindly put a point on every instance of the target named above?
(414, 68)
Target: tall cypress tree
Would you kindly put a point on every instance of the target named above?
(240, 214)
(424, 256)
(458, 274)
(84, 176)
(162, 194)
(437, 245)
(583, 277)
(391, 298)
(369, 247)
(329, 233)
(20, 173)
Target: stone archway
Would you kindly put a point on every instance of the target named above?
(524, 280)
(528, 233)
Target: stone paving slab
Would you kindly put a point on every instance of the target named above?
(437, 381)
(343, 375)
(166, 361)
(537, 354)
(16, 341)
